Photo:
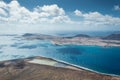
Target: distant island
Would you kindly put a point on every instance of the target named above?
(112, 37)
(80, 39)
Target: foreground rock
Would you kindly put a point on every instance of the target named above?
(40, 68)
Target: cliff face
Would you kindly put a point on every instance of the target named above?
(112, 37)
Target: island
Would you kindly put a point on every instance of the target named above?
(80, 39)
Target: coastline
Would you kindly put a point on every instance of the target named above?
(80, 67)
(71, 66)
(87, 69)
(53, 61)
(85, 43)
(76, 40)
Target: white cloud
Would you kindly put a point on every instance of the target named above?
(96, 18)
(2, 12)
(78, 13)
(2, 4)
(19, 14)
(13, 12)
(50, 10)
(117, 7)
(61, 19)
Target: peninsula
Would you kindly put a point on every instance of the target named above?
(41, 68)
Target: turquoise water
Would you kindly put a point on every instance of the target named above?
(100, 59)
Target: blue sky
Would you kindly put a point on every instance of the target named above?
(103, 6)
(36, 15)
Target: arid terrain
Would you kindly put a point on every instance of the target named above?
(39, 68)
(80, 39)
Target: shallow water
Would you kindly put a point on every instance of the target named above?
(101, 59)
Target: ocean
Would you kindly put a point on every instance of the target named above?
(100, 59)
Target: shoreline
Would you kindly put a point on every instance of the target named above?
(82, 44)
(77, 40)
(42, 68)
(78, 44)
(67, 63)
(87, 69)
(80, 67)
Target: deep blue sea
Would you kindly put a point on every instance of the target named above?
(100, 59)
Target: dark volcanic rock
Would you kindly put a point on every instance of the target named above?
(19, 64)
(2, 65)
(112, 37)
(40, 36)
(80, 35)
(28, 34)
